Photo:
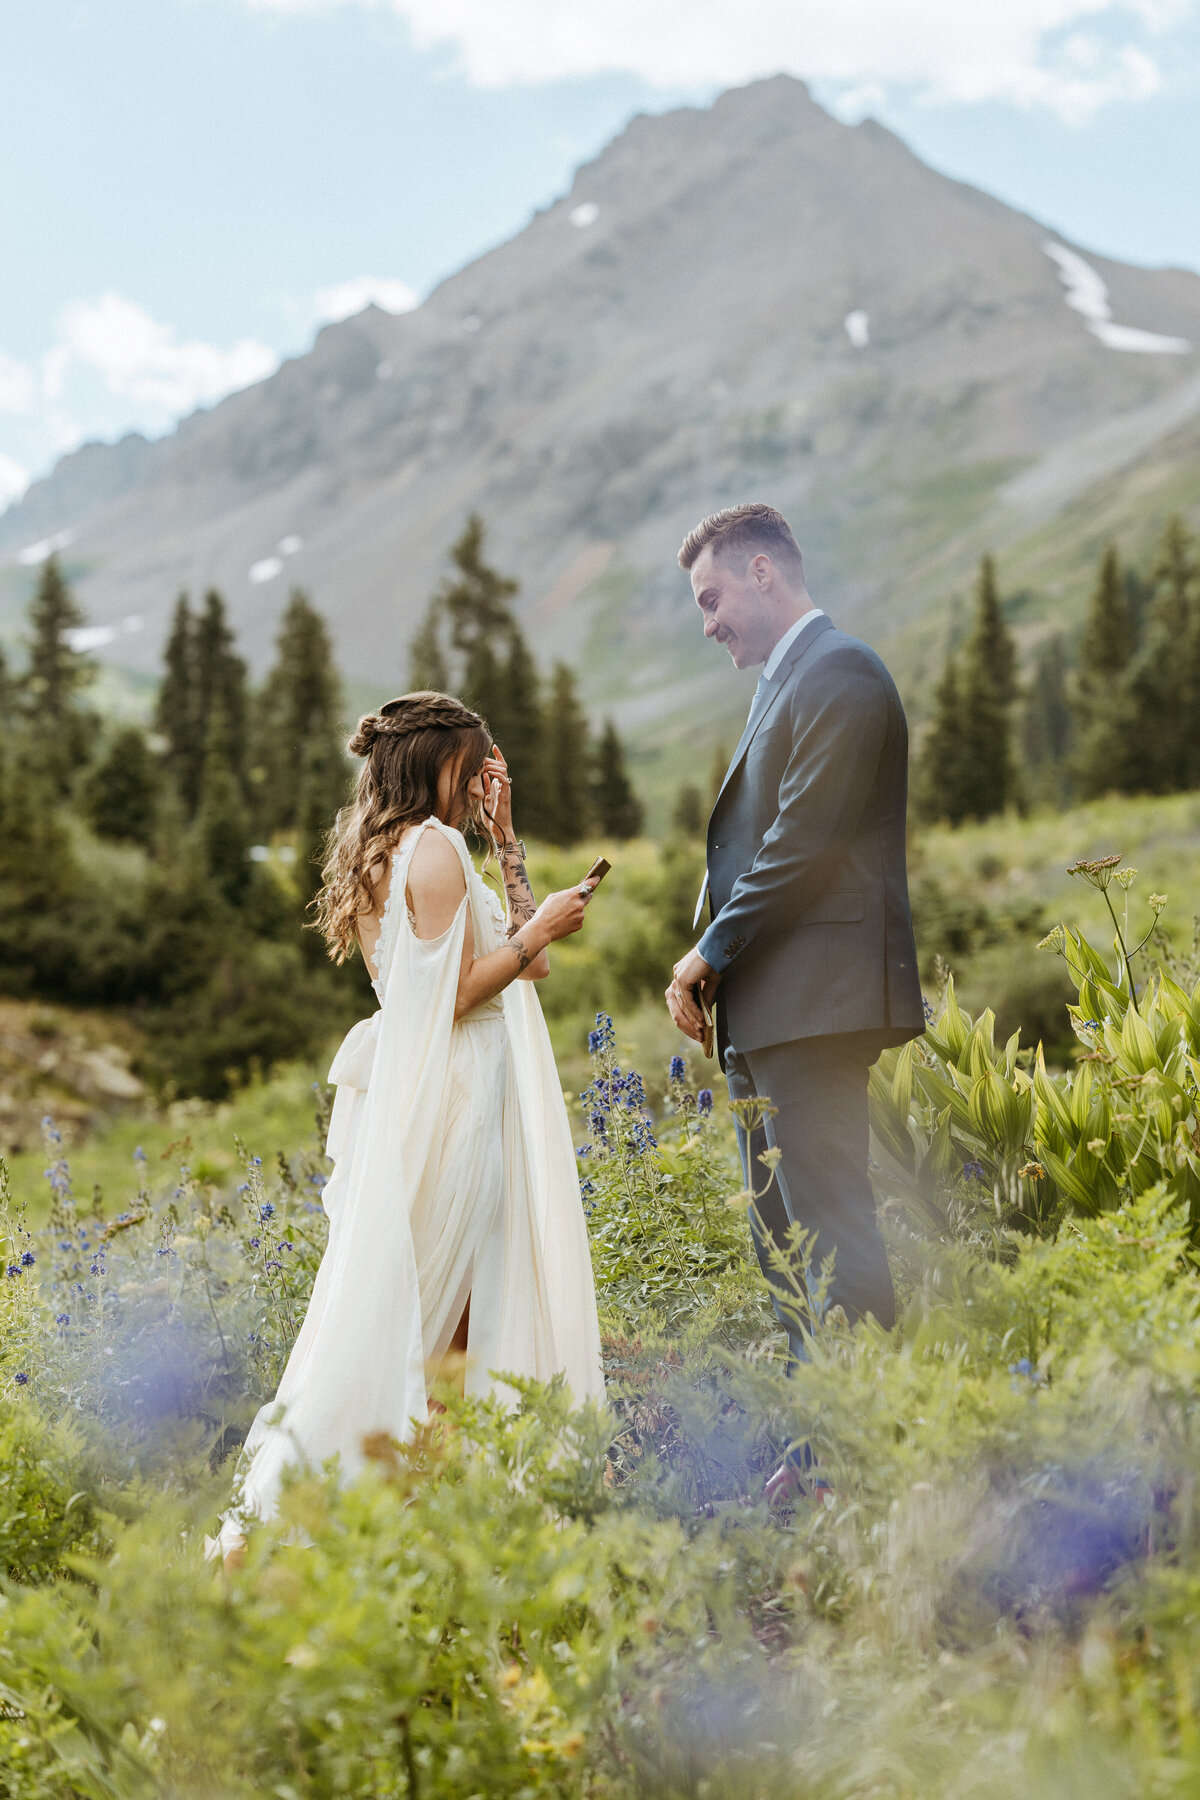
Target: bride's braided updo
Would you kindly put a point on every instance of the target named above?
(405, 746)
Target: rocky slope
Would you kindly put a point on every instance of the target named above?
(752, 300)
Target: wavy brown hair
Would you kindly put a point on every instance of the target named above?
(406, 744)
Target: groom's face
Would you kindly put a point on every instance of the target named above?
(736, 606)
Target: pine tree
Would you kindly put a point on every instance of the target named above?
(427, 665)
(992, 643)
(941, 789)
(1048, 723)
(1159, 698)
(616, 808)
(297, 723)
(324, 787)
(1105, 651)
(222, 821)
(567, 816)
(177, 717)
(221, 683)
(60, 730)
(688, 815)
(524, 740)
(121, 792)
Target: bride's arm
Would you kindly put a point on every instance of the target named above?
(521, 903)
(436, 887)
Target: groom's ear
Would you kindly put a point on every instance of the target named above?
(761, 571)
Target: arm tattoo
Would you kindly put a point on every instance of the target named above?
(521, 903)
(522, 953)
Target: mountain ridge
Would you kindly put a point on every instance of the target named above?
(670, 335)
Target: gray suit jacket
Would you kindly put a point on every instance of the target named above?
(807, 880)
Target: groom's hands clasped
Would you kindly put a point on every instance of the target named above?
(691, 972)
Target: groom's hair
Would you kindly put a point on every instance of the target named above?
(737, 533)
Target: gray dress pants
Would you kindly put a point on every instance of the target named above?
(818, 1087)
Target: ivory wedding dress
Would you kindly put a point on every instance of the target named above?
(454, 1177)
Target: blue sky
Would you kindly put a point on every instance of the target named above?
(188, 186)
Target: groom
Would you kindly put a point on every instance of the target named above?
(809, 958)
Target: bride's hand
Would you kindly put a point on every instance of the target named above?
(562, 913)
(497, 797)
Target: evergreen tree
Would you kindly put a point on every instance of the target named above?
(297, 724)
(1158, 708)
(992, 645)
(475, 599)
(324, 788)
(177, 715)
(617, 810)
(967, 764)
(221, 684)
(568, 763)
(1105, 651)
(1048, 721)
(688, 815)
(121, 792)
(941, 789)
(222, 821)
(524, 740)
(60, 730)
(427, 665)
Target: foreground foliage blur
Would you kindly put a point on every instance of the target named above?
(996, 1593)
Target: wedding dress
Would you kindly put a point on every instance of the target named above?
(454, 1177)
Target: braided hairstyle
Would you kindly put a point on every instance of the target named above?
(406, 745)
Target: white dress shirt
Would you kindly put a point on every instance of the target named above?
(788, 639)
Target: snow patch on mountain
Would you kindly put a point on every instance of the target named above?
(1086, 292)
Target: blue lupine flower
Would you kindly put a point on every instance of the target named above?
(1024, 1367)
(256, 1162)
(139, 1155)
(53, 1135)
(62, 1318)
(266, 1211)
(677, 1070)
(1093, 1025)
(598, 1119)
(644, 1139)
(243, 1187)
(28, 1259)
(96, 1269)
(65, 1244)
(254, 1243)
(584, 1150)
(318, 1180)
(286, 1245)
(930, 1015)
(595, 1043)
(704, 1100)
(21, 1379)
(13, 1269)
(587, 1189)
(274, 1265)
(974, 1171)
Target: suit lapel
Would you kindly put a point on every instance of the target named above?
(766, 698)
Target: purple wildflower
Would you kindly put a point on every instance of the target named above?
(704, 1100)
(21, 1379)
(677, 1070)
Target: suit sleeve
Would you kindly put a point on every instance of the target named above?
(837, 744)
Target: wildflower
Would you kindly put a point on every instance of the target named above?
(704, 1100)
(256, 1162)
(95, 1268)
(587, 1189)
(266, 1211)
(1023, 1367)
(677, 1069)
(595, 1043)
(13, 1269)
(49, 1131)
(1093, 1025)
(1157, 902)
(286, 1245)
(277, 1266)
(1098, 873)
(584, 1150)
(930, 1015)
(243, 1187)
(21, 1379)
(644, 1139)
(139, 1155)
(1126, 878)
(1053, 940)
(974, 1171)
(598, 1121)
(318, 1181)
(254, 1243)
(65, 1244)
(28, 1259)
(1033, 1171)
(62, 1318)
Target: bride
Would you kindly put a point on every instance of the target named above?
(455, 1224)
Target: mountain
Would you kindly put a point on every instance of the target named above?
(751, 300)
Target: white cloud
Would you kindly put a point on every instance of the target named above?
(140, 360)
(13, 481)
(17, 386)
(349, 297)
(1032, 52)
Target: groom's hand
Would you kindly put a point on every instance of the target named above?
(691, 971)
